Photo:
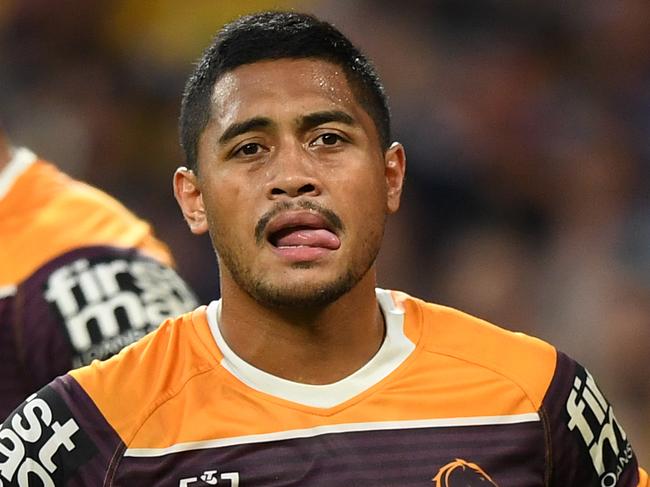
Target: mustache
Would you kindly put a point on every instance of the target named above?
(330, 217)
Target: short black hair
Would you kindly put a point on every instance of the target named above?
(277, 35)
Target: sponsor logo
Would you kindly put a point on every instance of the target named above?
(41, 444)
(593, 418)
(108, 304)
(461, 473)
(211, 477)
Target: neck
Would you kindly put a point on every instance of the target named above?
(316, 346)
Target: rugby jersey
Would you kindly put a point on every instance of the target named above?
(80, 277)
(448, 400)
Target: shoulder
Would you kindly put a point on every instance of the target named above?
(46, 205)
(97, 218)
(131, 385)
(50, 189)
(585, 443)
(56, 435)
(527, 362)
(74, 429)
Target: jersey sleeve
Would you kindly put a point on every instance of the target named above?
(587, 445)
(57, 437)
(88, 304)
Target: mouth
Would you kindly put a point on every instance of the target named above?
(302, 235)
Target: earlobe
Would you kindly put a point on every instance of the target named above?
(189, 198)
(395, 170)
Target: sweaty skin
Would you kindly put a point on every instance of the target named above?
(290, 154)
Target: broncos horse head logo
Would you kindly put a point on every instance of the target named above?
(460, 473)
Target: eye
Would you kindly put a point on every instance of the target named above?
(328, 139)
(249, 149)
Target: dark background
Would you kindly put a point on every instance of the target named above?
(526, 124)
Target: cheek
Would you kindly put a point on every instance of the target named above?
(221, 206)
(222, 192)
(366, 203)
(233, 212)
(371, 190)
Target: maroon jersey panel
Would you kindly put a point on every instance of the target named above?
(87, 304)
(587, 445)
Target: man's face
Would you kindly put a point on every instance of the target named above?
(292, 183)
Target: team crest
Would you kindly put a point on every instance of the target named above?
(460, 473)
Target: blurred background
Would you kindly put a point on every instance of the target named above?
(526, 124)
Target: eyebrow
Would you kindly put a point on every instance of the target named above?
(315, 119)
(305, 123)
(239, 128)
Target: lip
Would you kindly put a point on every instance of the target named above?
(292, 219)
(298, 219)
(301, 254)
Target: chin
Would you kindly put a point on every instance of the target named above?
(303, 294)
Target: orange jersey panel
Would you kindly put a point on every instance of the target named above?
(179, 366)
(46, 213)
(447, 400)
(80, 277)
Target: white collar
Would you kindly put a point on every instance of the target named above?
(395, 349)
(21, 161)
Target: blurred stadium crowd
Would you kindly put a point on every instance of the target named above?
(526, 124)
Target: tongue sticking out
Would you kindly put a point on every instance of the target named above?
(308, 237)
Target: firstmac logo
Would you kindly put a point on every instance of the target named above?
(41, 444)
(592, 416)
(106, 304)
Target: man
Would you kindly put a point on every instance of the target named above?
(80, 276)
(303, 373)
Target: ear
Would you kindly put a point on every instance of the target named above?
(189, 197)
(394, 171)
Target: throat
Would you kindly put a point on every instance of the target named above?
(315, 350)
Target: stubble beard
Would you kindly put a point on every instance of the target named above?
(301, 295)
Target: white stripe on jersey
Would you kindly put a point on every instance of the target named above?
(19, 163)
(396, 349)
(336, 428)
(7, 291)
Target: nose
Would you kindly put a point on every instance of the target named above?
(292, 174)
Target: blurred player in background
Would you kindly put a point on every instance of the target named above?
(80, 276)
(304, 373)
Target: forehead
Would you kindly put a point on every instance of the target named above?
(281, 87)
